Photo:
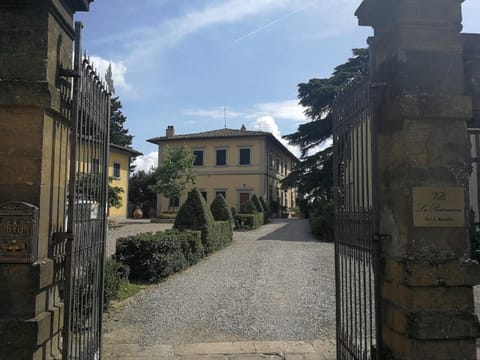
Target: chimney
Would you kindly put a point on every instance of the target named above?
(170, 131)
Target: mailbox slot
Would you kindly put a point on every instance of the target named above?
(18, 233)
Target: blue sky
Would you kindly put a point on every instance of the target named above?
(180, 62)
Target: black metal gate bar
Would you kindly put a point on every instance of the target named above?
(355, 225)
(87, 205)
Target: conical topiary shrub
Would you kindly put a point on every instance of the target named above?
(194, 213)
(257, 203)
(220, 210)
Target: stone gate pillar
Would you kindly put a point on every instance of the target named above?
(35, 44)
(423, 168)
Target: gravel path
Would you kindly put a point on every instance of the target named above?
(275, 283)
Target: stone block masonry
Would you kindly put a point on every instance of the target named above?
(426, 278)
(36, 42)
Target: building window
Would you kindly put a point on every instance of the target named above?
(244, 198)
(95, 166)
(116, 170)
(174, 202)
(223, 193)
(244, 156)
(221, 157)
(198, 155)
(204, 194)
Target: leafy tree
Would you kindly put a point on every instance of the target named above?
(114, 195)
(118, 134)
(313, 175)
(175, 171)
(139, 192)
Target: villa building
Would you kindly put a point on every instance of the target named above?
(118, 171)
(236, 164)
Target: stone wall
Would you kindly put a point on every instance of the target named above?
(423, 150)
(36, 40)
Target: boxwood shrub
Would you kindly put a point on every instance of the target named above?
(248, 221)
(322, 220)
(257, 203)
(248, 208)
(220, 210)
(260, 208)
(154, 256)
(196, 215)
(115, 272)
(264, 204)
(191, 244)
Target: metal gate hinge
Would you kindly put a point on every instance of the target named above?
(68, 73)
(62, 236)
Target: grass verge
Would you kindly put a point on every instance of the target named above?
(127, 289)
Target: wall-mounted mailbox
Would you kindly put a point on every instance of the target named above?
(18, 232)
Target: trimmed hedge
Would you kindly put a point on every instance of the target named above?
(264, 204)
(221, 234)
(322, 220)
(191, 244)
(115, 272)
(248, 208)
(257, 203)
(260, 208)
(196, 215)
(251, 216)
(248, 221)
(154, 256)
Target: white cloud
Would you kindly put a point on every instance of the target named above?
(217, 113)
(146, 162)
(119, 70)
(268, 124)
(281, 110)
(287, 110)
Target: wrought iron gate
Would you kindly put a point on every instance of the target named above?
(87, 205)
(355, 251)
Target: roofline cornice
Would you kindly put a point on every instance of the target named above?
(165, 139)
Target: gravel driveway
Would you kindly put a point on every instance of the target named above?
(274, 283)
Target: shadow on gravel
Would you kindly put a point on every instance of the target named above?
(296, 230)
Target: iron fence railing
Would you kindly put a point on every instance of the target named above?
(355, 223)
(87, 205)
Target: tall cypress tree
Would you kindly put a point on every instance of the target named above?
(118, 134)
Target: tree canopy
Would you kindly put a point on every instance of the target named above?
(118, 133)
(174, 172)
(139, 192)
(313, 175)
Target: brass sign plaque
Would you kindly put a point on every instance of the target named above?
(438, 207)
(18, 232)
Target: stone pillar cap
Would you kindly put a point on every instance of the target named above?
(79, 5)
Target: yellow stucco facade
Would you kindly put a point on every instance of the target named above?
(236, 163)
(118, 171)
